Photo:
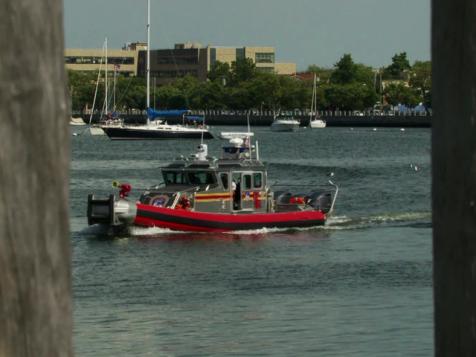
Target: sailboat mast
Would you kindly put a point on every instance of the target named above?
(105, 74)
(313, 96)
(148, 54)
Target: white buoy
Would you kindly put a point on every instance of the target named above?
(374, 129)
(402, 129)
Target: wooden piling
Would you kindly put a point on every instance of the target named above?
(35, 284)
(454, 176)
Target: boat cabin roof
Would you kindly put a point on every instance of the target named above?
(237, 153)
(214, 164)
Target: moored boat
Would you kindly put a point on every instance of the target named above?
(156, 128)
(285, 124)
(315, 121)
(206, 194)
(159, 129)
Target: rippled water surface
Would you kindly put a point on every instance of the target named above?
(360, 286)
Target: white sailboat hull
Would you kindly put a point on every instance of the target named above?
(285, 125)
(77, 121)
(317, 124)
(96, 130)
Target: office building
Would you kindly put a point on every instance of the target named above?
(166, 65)
(123, 61)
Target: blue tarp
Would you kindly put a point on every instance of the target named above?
(152, 113)
(420, 108)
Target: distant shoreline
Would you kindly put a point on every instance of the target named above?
(333, 120)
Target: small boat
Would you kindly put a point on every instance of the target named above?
(228, 135)
(315, 121)
(285, 124)
(201, 193)
(76, 121)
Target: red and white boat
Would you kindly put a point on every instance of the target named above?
(205, 194)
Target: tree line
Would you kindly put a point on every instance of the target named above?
(346, 86)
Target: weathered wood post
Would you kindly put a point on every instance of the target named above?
(454, 176)
(35, 284)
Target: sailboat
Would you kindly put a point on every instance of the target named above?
(315, 121)
(95, 129)
(156, 128)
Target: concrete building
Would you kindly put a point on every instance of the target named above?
(166, 65)
(124, 60)
(193, 59)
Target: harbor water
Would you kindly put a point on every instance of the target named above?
(359, 286)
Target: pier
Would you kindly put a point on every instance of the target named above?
(265, 118)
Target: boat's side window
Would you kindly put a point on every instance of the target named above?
(257, 180)
(224, 180)
(169, 178)
(201, 178)
(181, 178)
(247, 182)
(177, 178)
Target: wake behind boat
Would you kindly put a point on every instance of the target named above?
(206, 194)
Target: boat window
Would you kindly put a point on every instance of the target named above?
(257, 180)
(247, 182)
(201, 178)
(224, 180)
(175, 178)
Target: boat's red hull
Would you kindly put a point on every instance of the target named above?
(184, 220)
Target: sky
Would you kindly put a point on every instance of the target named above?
(304, 32)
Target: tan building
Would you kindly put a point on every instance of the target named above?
(193, 59)
(166, 65)
(124, 60)
(262, 57)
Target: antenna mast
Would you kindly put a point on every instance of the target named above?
(148, 54)
(105, 74)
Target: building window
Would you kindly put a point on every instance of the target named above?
(177, 60)
(97, 60)
(175, 74)
(240, 54)
(264, 57)
(213, 56)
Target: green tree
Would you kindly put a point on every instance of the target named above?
(220, 71)
(420, 80)
(398, 93)
(364, 74)
(242, 70)
(399, 66)
(354, 96)
(345, 71)
(131, 92)
(170, 97)
(324, 74)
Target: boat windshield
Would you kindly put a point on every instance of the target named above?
(189, 178)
